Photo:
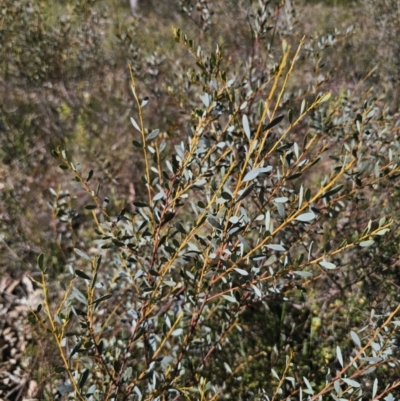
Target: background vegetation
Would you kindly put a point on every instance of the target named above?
(66, 82)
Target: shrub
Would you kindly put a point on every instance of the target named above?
(266, 209)
(260, 255)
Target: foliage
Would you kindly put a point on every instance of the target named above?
(237, 240)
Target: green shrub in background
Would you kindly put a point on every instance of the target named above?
(259, 256)
(240, 272)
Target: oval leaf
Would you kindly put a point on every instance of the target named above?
(355, 338)
(246, 126)
(303, 274)
(306, 217)
(251, 175)
(351, 383)
(81, 254)
(103, 298)
(256, 291)
(214, 223)
(246, 192)
(177, 332)
(327, 265)
(274, 122)
(366, 243)
(339, 356)
(241, 271)
(279, 248)
(40, 260)
(153, 135)
(283, 199)
(81, 274)
(135, 124)
(229, 298)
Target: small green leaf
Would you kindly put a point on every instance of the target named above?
(83, 378)
(214, 223)
(226, 195)
(366, 243)
(63, 167)
(332, 191)
(383, 232)
(90, 175)
(246, 192)
(290, 116)
(59, 369)
(314, 162)
(40, 261)
(81, 274)
(103, 298)
(274, 122)
(90, 207)
(180, 228)
(137, 144)
(167, 218)
(32, 319)
(325, 97)
(294, 176)
(75, 349)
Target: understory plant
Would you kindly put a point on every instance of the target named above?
(256, 218)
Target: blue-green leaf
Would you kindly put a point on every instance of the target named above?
(306, 217)
(251, 175)
(327, 265)
(135, 124)
(351, 383)
(153, 135)
(246, 126)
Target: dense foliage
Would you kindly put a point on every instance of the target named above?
(223, 223)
